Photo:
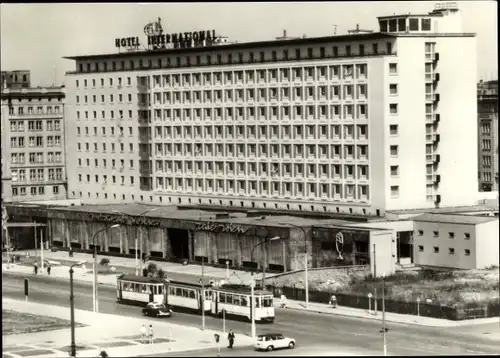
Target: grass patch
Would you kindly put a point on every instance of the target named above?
(19, 323)
(449, 288)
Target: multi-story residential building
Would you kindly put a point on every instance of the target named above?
(487, 107)
(15, 79)
(33, 150)
(358, 124)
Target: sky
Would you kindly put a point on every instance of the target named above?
(36, 36)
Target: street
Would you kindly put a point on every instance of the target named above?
(315, 333)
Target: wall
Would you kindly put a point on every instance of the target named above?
(385, 253)
(458, 123)
(487, 244)
(411, 127)
(444, 258)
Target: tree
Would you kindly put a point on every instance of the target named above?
(160, 273)
(152, 268)
(104, 261)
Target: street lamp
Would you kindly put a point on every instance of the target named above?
(94, 286)
(137, 261)
(252, 284)
(384, 330)
(306, 279)
(72, 307)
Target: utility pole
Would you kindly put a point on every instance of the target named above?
(374, 277)
(202, 293)
(41, 250)
(383, 315)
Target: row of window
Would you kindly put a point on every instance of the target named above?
(105, 179)
(103, 131)
(228, 57)
(296, 93)
(105, 162)
(37, 142)
(143, 288)
(34, 190)
(451, 234)
(255, 76)
(451, 250)
(35, 126)
(37, 174)
(104, 147)
(265, 131)
(28, 110)
(260, 188)
(282, 112)
(335, 171)
(36, 158)
(111, 98)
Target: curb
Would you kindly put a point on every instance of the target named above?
(373, 318)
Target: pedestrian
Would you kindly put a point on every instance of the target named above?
(151, 334)
(144, 333)
(48, 270)
(35, 267)
(230, 338)
(283, 301)
(144, 258)
(333, 301)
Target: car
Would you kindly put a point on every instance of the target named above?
(157, 310)
(272, 341)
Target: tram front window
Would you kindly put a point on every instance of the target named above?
(267, 302)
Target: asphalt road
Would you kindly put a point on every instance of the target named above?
(314, 332)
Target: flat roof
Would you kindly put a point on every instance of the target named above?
(455, 209)
(454, 219)
(242, 45)
(350, 227)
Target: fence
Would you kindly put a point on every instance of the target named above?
(463, 312)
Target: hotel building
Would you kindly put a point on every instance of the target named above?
(33, 153)
(487, 106)
(358, 124)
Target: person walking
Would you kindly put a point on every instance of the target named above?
(48, 270)
(151, 334)
(283, 301)
(144, 333)
(35, 268)
(230, 338)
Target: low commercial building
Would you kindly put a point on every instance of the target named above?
(456, 241)
(241, 240)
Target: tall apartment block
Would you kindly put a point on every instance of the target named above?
(33, 151)
(359, 123)
(487, 107)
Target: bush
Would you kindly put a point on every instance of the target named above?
(160, 273)
(152, 268)
(104, 261)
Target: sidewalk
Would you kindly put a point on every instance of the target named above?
(389, 316)
(128, 265)
(118, 335)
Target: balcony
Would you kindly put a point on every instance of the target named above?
(437, 158)
(435, 57)
(436, 98)
(437, 179)
(437, 117)
(435, 77)
(436, 138)
(437, 199)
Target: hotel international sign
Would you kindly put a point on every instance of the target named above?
(156, 39)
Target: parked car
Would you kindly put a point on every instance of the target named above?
(271, 341)
(157, 310)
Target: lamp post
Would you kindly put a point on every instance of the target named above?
(252, 284)
(138, 261)
(383, 314)
(72, 308)
(306, 278)
(94, 285)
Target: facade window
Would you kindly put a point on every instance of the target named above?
(394, 170)
(467, 252)
(451, 251)
(393, 129)
(393, 108)
(394, 150)
(393, 89)
(435, 233)
(394, 191)
(420, 248)
(467, 236)
(420, 232)
(393, 68)
(436, 249)
(451, 235)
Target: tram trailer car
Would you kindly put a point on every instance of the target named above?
(234, 299)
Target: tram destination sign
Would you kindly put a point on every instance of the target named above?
(157, 39)
(216, 227)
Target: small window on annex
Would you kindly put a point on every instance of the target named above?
(413, 24)
(393, 25)
(426, 24)
(402, 25)
(383, 25)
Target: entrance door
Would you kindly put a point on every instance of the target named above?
(179, 242)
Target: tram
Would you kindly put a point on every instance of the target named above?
(186, 294)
